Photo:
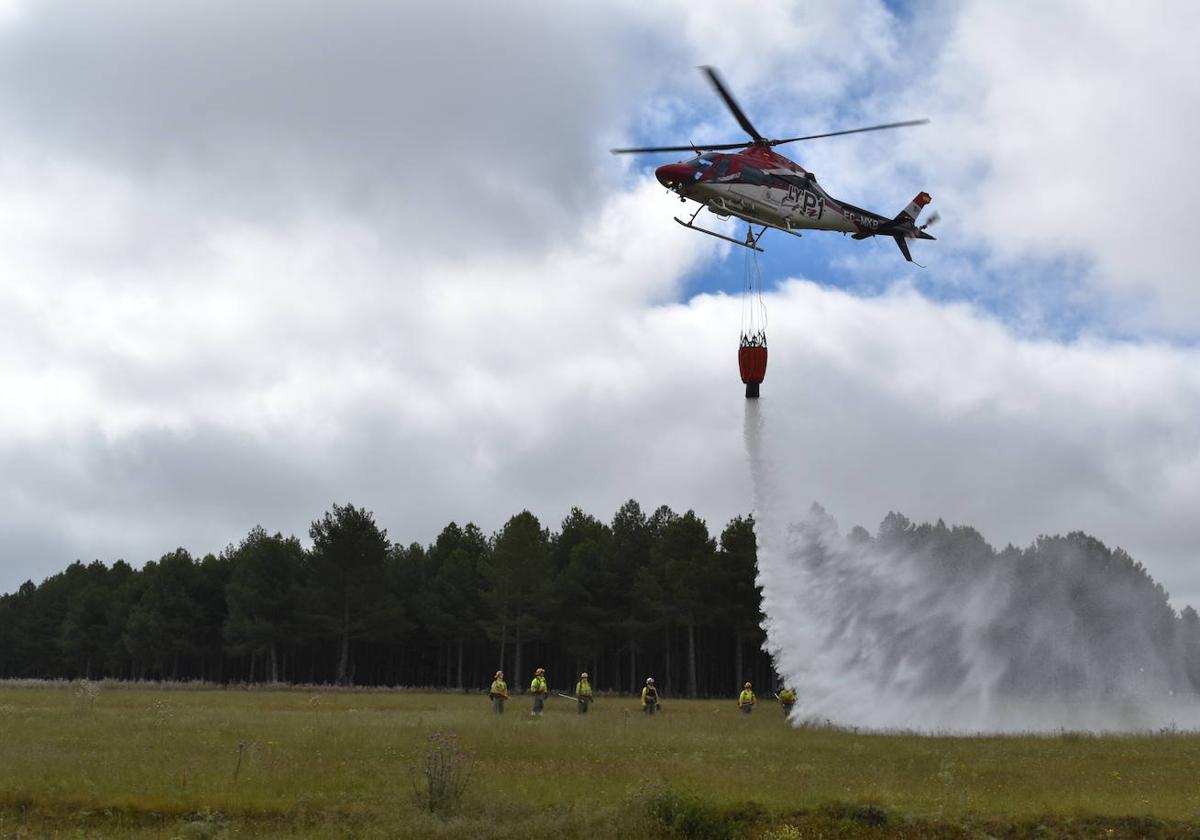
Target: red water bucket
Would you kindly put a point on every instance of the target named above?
(752, 361)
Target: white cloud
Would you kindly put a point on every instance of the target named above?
(1067, 129)
(297, 264)
(937, 412)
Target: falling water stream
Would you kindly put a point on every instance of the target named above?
(875, 637)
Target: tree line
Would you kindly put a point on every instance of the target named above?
(642, 595)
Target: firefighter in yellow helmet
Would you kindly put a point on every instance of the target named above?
(650, 697)
(583, 693)
(787, 699)
(746, 699)
(498, 693)
(539, 690)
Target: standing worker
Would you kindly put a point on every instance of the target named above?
(498, 692)
(539, 690)
(583, 693)
(746, 699)
(787, 699)
(650, 697)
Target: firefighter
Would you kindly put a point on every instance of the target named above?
(539, 690)
(583, 693)
(650, 697)
(746, 699)
(787, 699)
(498, 692)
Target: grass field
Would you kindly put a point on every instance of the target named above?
(164, 762)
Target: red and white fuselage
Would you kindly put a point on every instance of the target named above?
(762, 187)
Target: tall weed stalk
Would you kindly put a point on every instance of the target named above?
(441, 778)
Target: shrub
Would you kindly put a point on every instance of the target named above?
(689, 817)
(865, 814)
(441, 779)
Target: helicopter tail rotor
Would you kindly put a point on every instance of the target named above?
(905, 227)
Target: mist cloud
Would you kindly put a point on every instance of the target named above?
(928, 628)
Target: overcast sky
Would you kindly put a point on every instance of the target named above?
(258, 258)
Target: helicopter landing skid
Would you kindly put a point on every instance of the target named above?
(751, 241)
(745, 244)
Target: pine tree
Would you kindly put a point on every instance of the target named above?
(346, 576)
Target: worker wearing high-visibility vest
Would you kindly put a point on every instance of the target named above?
(787, 699)
(539, 690)
(746, 699)
(583, 693)
(650, 697)
(498, 693)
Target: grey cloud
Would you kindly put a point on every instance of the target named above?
(126, 497)
(261, 260)
(417, 117)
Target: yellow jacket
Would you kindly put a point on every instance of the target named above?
(583, 688)
(746, 698)
(499, 689)
(538, 686)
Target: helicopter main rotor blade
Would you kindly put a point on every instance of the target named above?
(732, 105)
(697, 148)
(851, 131)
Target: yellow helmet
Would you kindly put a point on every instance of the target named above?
(747, 685)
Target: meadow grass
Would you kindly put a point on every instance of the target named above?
(155, 762)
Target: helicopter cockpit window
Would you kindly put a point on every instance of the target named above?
(703, 161)
(722, 167)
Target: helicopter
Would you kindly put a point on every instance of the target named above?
(765, 189)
